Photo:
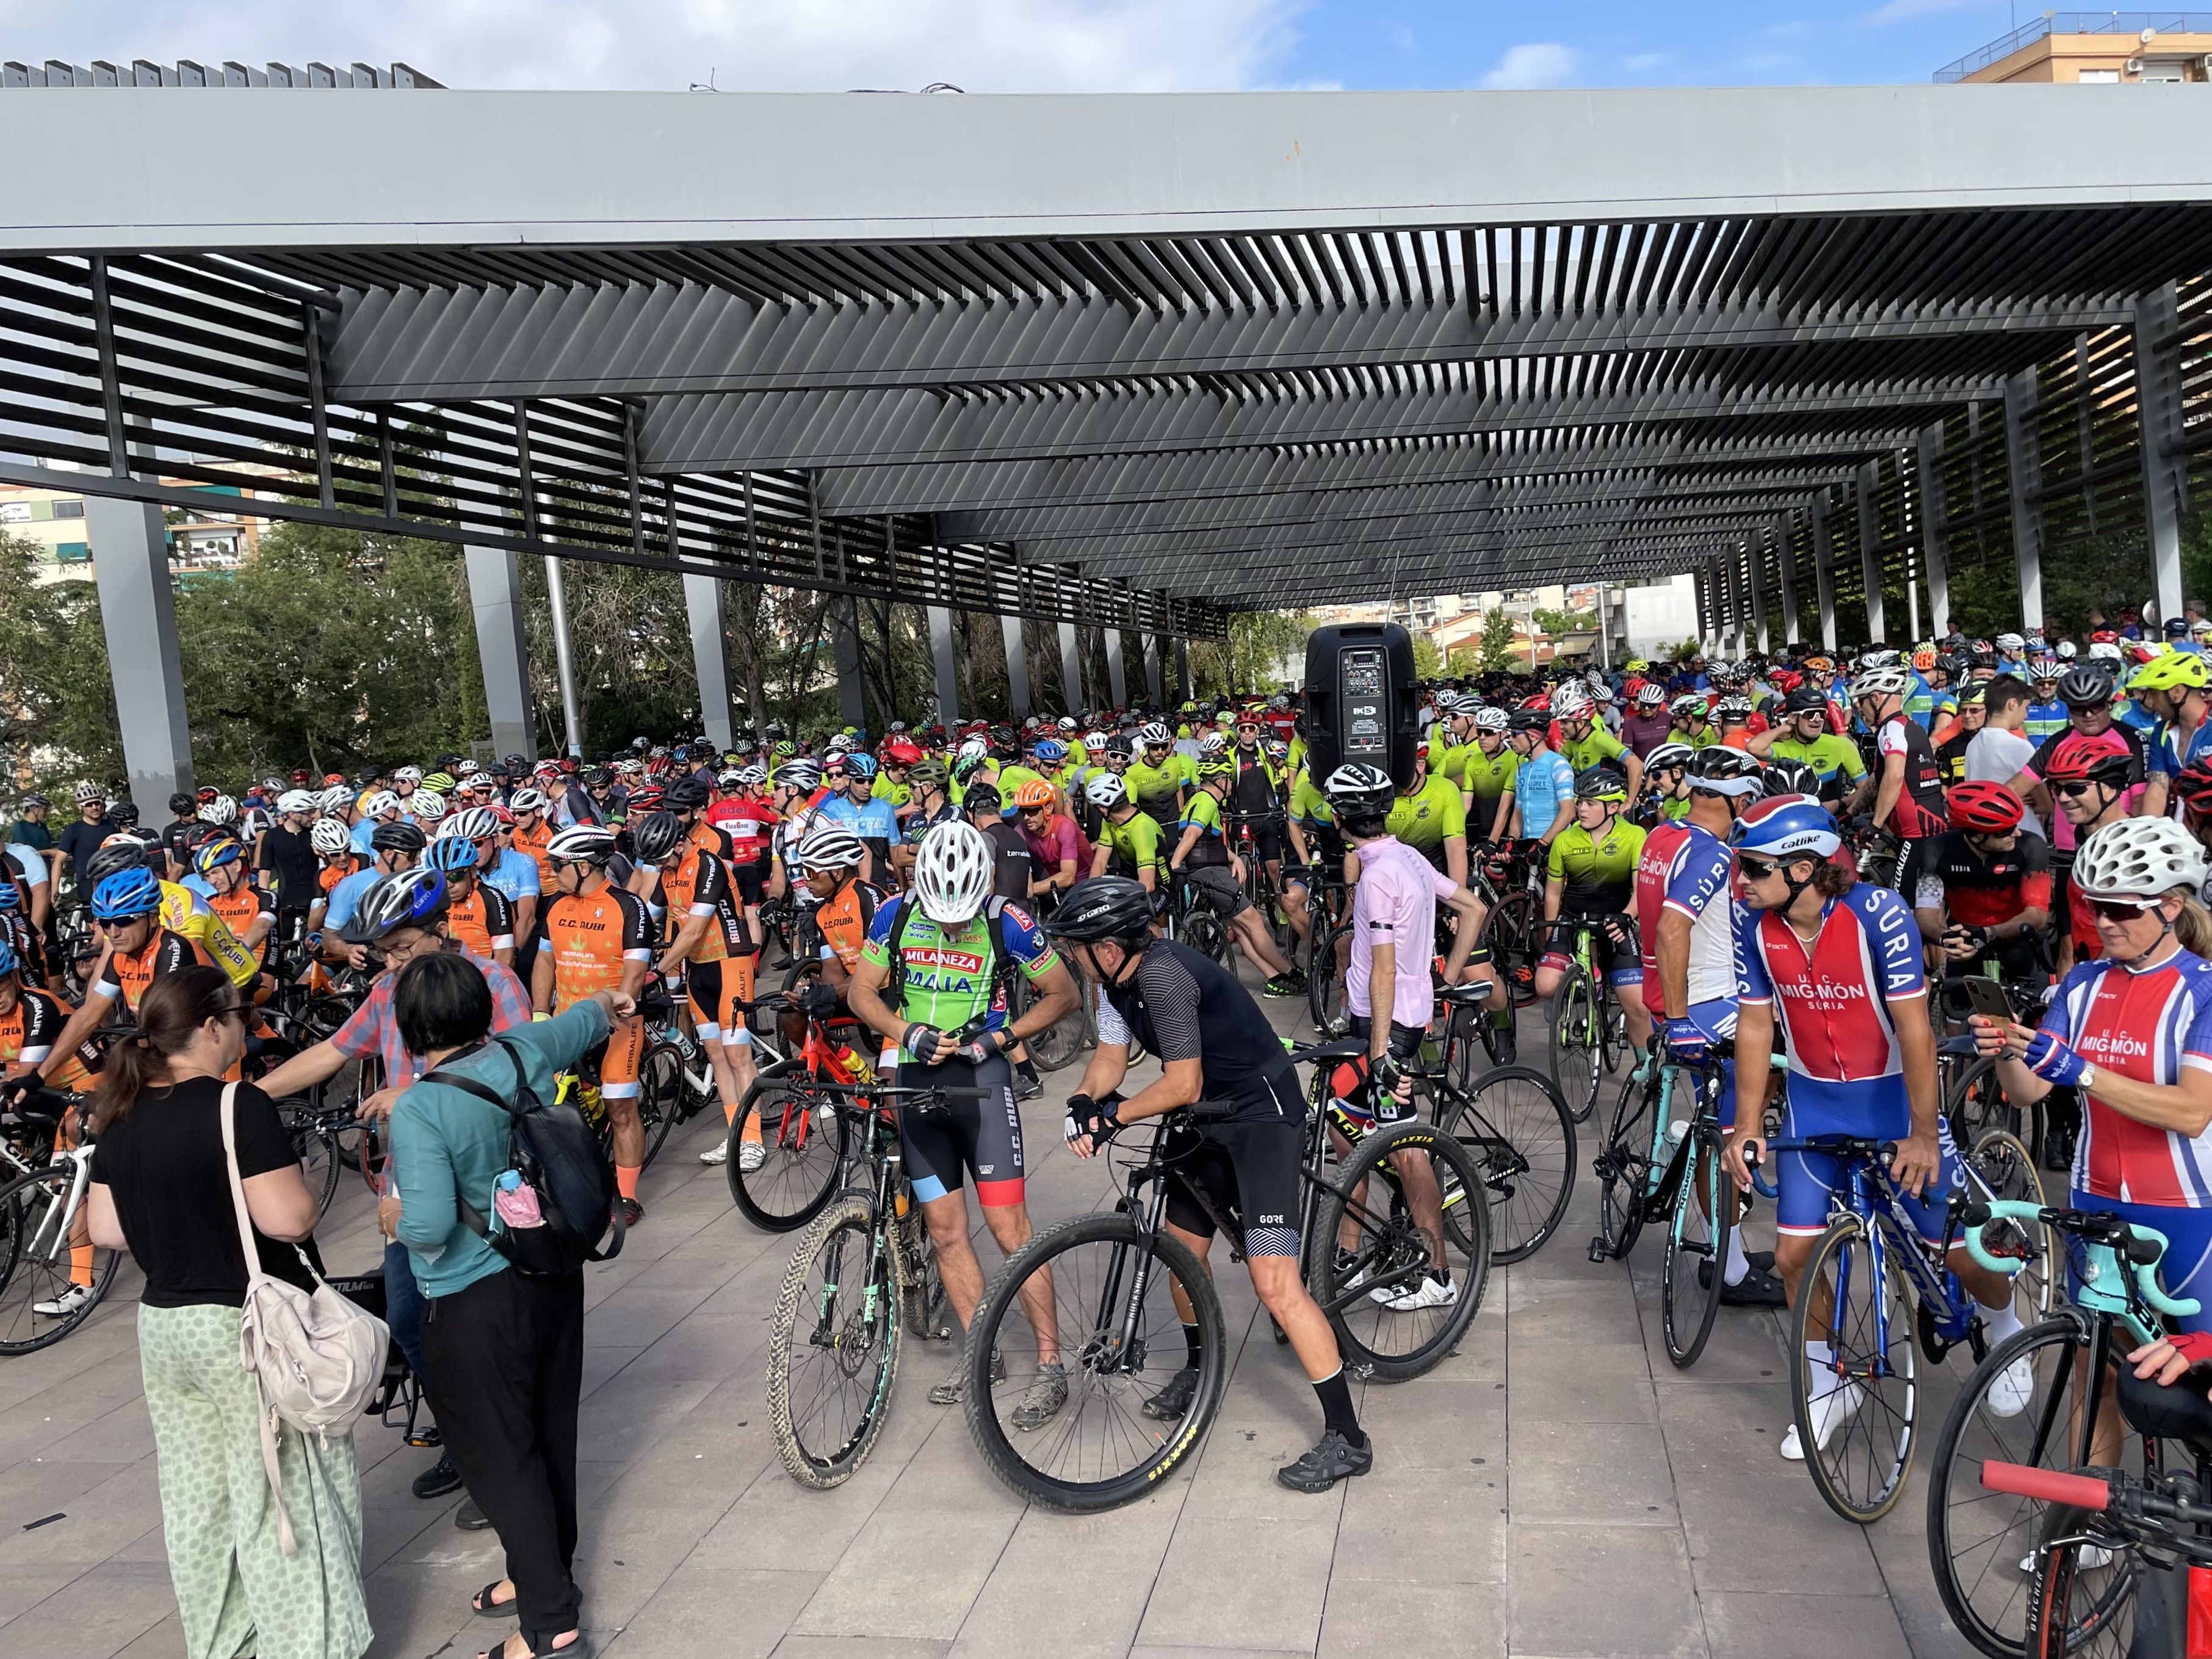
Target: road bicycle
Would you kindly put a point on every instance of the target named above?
(790, 1107)
(1890, 1295)
(864, 1274)
(1123, 1288)
(1510, 1120)
(1190, 920)
(1587, 1040)
(1983, 1542)
(1259, 886)
(52, 1276)
(1508, 879)
(675, 1079)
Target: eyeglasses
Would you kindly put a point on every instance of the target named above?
(1034, 811)
(2122, 911)
(2071, 791)
(1755, 869)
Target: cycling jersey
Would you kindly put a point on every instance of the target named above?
(1061, 840)
(1599, 871)
(1599, 747)
(1833, 1003)
(945, 975)
(1136, 845)
(1211, 849)
(184, 912)
(592, 936)
(483, 921)
(512, 875)
(748, 824)
(2044, 719)
(1542, 784)
(238, 910)
(1920, 810)
(920, 823)
(1685, 867)
(27, 1037)
(338, 869)
(1425, 820)
(1395, 904)
(2167, 751)
(842, 922)
(701, 886)
(1183, 1007)
(1486, 779)
(2151, 1026)
(1705, 738)
(1156, 788)
(1983, 892)
(531, 840)
(1835, 761)
(1256, 788)
(128, 976)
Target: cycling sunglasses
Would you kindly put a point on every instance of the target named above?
(2123, 910)
(2073, 790)
(1753, 868)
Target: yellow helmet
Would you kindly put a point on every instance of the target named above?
(2175, 670)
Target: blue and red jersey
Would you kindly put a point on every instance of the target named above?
(1685, 868)
(2151, 1026)
(1833, 1002)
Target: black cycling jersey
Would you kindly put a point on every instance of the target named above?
(1182, 1005)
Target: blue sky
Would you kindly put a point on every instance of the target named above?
(1607, 43)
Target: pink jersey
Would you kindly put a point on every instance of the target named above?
(1394, 904)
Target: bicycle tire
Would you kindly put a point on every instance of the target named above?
(1325, 983)
(799, 1174)
(922, 1300)
(1977, 1538)
(1691, 1278)
(1467, 1227)
(875, 1341)
(38, 1268)
(1845, 1239)
(1523, 1142)
(660, 1095)
(2079, 1609)
(1204, 932)
(1088, 1377)
(1060, 1042)
(1509, 931)
(1624, 1173)
(1976, 1102)
(1572, 1054)
(2004, 1164)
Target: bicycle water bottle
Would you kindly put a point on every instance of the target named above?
(515, 1203)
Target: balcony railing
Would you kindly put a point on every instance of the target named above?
(2076, 23)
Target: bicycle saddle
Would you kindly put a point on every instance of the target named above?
(1344, 1048)
(2179, 1413)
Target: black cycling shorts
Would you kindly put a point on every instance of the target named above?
(1248, 1168)
(748, 877)
(981, 1135)
(1217, 885)
(1613, 946)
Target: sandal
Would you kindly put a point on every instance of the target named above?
(579, 1649)
(484, 1607)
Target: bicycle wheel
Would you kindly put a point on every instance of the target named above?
(1860, 1469)
(1202, 931)
(659, 1094)
(833, 1348)
(1976, 1102)
(1059, 1042)
(922, 1293)
(318, 1149)
(1697, 1252)
(1574, 1053)
(803, 1140)
(1517, 1130)
(1376, 1285)
(56, 1274)
(1510, 930)
(2002, 1164)
(1623, 1168)
(1106, 1292)
(1325, 981)
(1982, 1544)
(2083, 1596)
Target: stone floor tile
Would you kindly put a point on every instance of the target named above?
(1594, 1592)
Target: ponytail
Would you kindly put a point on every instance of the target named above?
(170, 1014)
(2193, 928)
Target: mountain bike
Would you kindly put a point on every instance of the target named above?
(864, 1272)
(1510, 881)
(1983, 1542)
(1191, 920)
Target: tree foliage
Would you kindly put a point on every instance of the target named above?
(1497, 648)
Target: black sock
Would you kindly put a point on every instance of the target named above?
(1197, 1349)
(1027, 1067)
(1335, 1396)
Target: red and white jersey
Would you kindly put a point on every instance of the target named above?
(2151, 1026)
(1685, 868)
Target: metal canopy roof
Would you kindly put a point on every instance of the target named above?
(1056, 353)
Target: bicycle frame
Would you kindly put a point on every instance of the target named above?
(54, 1229)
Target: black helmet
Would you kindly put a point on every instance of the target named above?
(1805, 700)
(2085, 688)
(1529, 719)
(1358, 793)
(1102, 908)
(1791, 777)
(656, 835)
(1601, 783)
(684, 793)
(181, 804)
(399, 837)
(413, 898)
(1721, 770)
(118, 851)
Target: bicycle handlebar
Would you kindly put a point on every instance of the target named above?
(2140, 1249)
(2082, 1491)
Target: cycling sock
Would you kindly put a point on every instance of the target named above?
(1820, 1360)
(626, 1181)
(2003, 1322)
(1190, 1341)
(1335, 1395)
(81, 1269)
(1738, 1264)
(1027, 1067)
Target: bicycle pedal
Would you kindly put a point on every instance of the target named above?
(1597, 1250)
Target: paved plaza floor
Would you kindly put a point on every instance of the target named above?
(1557, 1488)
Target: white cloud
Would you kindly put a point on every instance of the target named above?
(1537, 63)
(982, 46)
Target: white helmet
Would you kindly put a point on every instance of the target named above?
(2140, 858)
(1214, 743)
(974, 749)
(1096, 743)
(221, 810)
(581, 843)
(428, 806)
(1491, 720)
(952, 872)
(1155, 736)
(1889, 680)
(528, 801)
(2105, 650)
(1690, 703)
(295, 800)
(2010, 642)
(1570, 701)
(335, 799)
(382, 802)
(1067, 722)
(1105, 791)
(471, 823)
(329, 837)
(87, 793)
(408, 774)
(832, 848)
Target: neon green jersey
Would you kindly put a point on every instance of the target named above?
(1599, 746)
(1429, 816)
(1157, 789)
(1138, 845)
(1599, 871)
(1486, 777)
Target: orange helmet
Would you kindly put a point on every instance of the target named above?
(1036, 792)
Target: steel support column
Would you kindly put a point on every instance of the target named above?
(1756, 548)
(948, 665)
(1117, 680)
(502, 649)
(1701, 582)
(1071, 667)
(1785, 561)
(2158, 403)
(138, 615)
(710, 655)
(1150, 645)
(1183, 688)
(1824, 571)
(1934, 549)
(845, 652)
(564, 662)
(1870, 556)
(1017, 668)
(2023, 471)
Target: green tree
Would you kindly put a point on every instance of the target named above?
(1428, 661)
(57, 700)
(1558, 623)
(1496, 648)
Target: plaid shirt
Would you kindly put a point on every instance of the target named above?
(373, 1030)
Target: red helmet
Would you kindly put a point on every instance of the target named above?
(1990, 808)
(899, 753)
(2194, 785)
(2080, 758)
(1785, 680)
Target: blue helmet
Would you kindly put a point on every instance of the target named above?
(1050, 750)
(8, 963)
(1784, 827)
(125, 894)
(216, 854)
(858, 765)
(11, 897)
(413, 898)
(451, 853)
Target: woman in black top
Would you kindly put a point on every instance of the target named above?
(161, 1188)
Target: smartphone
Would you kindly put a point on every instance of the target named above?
(1986, 997)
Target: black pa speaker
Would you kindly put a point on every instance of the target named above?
(1361, 703)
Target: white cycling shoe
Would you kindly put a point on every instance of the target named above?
(62, 1306)
(1830, 1413)
(1429, 1293)
(2014, 1391)
(717, 1153)
(751, 1154)
(2093, 1558)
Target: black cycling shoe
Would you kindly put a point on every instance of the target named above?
(1762, 1260)
(1026, 1087)
(1333, 1459)
(468, 1517)
(1173, 1401)
(630, 1211)
(440, 1478)
(1759, 1289)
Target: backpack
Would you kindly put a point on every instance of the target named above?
(316, 1358)
(562, 1161)
(999, 962)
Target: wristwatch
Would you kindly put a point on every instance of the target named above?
(2088, 1077)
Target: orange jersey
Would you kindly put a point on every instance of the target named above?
(710, 838)
(592, 938)
(239, 910)
(28, 1032)
(128, 976)
(483, 921)
(843, 920)
(534, 842)
(336, 870)
(700, 886)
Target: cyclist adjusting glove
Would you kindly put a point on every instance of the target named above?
(2053, 1062)
(924, 1043)
(1095, 1118)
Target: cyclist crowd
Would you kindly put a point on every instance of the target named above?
(1781, 855)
